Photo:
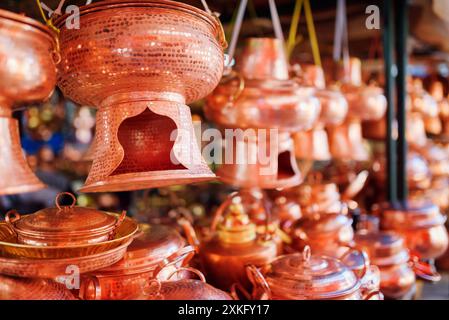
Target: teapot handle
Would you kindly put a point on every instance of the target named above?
(424, 270)
(58, 197)
(189, 269)
(258, 280)
(238, 287)
(90, 281)
(373, 294)
(241, 86)
(190, 233)
(365, 260)
(118, 223)
(182, 256)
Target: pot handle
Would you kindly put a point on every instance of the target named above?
(190, 233)
(189, 269)
(118, 223)
(58, 197)
(10, 217)
(373, 294)
(84, 292)
(183, 256)
(424, 270)
(237, 287)
(365, 260)
(258, 281)
(241, 86)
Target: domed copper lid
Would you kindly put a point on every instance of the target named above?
(64, 225)
(303, 276)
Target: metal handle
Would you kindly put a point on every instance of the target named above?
(182, 256)
(374, 293)
(58, 197)
(11, 217)
(189, 269)
(85, 292)
(238, 287)
(258, 281)
(360, 252)
(118, 223)
(190, 233)
(424, 270)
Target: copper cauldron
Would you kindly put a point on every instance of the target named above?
(27, 74)
(422, 226)
(261, 160)
(302, 276)
(233, 243)
(32, 289)
(64, 225)
(136, 62)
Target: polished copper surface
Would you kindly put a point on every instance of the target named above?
(27, 74)
(346, 141)
(277, 168)
(138, 116)
(302, 276)
(232, 244)
(64, 225)
(56, 268)
(422, 226)
(312, 145)
(10, 245)
(32, 289)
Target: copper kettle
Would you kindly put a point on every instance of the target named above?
(232, 244)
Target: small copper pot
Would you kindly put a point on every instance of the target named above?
(302, 276)
(28, 57)
(233, 243)
(64, 225)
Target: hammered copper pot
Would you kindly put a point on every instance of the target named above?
(32, 289)
(260, 160)
(137, 63)
(421, 224)
(233, 243)
(27, 74)
(302, 276)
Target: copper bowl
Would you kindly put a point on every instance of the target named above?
(136, 61)
(32, 289)
(28, 74)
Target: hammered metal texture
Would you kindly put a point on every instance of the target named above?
(248, 170)
(27, 67)
(10, 246)
(32, 289)
(135, 145)
(17, 176)
(134, 46)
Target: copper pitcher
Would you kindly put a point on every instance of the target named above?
(232, 244)
(264, 161)
(28, 58)
(144, 128)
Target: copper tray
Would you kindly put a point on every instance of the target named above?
(10, 247)
(57, 268)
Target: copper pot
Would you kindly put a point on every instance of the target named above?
(252, 166)
(302, 276)
(232, 244)
(260, 95)
(28, 74)
(287, 209)
(64, 225)
(422, 226)
(32, 289)
(136, 121)
(312, 145)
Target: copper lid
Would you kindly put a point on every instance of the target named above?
(303, 276)
(64, 224)
(413, 214)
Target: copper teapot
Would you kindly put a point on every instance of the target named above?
(232, 244)
(302, 276)
(143, 127)
(28, 58)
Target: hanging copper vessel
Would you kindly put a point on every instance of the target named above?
(144, 128)
(28, 74)
(153, 245)
(422, 226)
(346, 141)
(287, 209)
(302, 276)
(312, 145)
(32, 289)
(275, 167)
(232, 244)
(64, 225)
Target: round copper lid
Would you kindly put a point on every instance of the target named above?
(303, 276)
(415, 213)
